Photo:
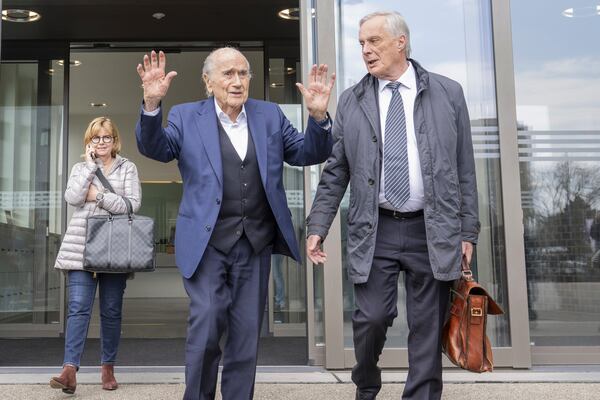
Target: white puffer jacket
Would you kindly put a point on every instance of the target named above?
(123, 177)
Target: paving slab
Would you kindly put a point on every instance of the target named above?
(327, 391)
(498, 376)
(306, 374)
(310, 383)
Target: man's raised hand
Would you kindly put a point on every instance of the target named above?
(154, 81)
(316, 94)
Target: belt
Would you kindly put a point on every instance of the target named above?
(400, 215)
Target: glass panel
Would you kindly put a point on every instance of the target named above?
(558, 113)
(314, 173)
(318, 274)
(453, 39)
(288, 276)
(157, 300)
(161, 202)
(31, 119)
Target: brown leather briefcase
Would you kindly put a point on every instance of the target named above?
(464, 339)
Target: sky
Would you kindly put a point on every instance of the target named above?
(556, 59)
(557, 63)
(451, 37)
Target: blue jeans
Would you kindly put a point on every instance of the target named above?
(82, 290)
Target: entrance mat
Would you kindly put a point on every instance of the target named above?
(42, 352)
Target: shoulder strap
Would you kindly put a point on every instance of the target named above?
(104, 181)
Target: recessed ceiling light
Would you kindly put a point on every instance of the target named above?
(72, 63)
(280, 70)
(16, 15)
(293, 13)
(289, 13)
(159, 15)
(98, 104)
(582, 12)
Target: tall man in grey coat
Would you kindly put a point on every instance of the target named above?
(403, 143)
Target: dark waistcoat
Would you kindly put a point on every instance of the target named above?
(244, 208)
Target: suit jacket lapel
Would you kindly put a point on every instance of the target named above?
(209, 136)
(258, 130)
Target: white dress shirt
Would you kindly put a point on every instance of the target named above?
(408, 91)
(237, 131)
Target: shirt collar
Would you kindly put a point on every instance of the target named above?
(407, 79)
(224, 118)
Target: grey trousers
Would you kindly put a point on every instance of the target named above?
(227, 292)
(401, 246)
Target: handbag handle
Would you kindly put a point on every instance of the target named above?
(107, 185)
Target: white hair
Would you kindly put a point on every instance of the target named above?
(395, 25)
(211, 61)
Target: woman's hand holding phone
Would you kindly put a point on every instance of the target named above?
(90, 154)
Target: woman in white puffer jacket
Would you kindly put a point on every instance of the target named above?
(86, 193)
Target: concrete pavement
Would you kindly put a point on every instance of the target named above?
(310, 383)
(326, 391)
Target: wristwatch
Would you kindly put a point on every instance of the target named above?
(325, 123)
(99, 197)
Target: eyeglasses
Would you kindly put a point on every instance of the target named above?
(105, 139)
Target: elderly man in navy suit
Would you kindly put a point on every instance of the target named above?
(234, 214)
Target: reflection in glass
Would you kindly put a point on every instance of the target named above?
(31, 116)
(288, 277)
(161, 202)
(318, 274)
(558, 113)
(453, 39)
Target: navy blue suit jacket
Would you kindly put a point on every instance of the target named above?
(192, 137)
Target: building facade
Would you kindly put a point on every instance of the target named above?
(529, 71)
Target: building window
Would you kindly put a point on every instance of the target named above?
(455, 40)
(558, 111)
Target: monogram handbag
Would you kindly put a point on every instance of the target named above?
(464, 338)
(119, 243)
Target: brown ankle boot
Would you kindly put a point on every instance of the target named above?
(108, 378)
(66, 381)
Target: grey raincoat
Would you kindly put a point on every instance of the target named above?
(442, 127)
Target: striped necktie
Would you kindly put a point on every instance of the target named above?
(395, 156)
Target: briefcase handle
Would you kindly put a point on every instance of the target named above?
(467, 274)
(468, 284)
